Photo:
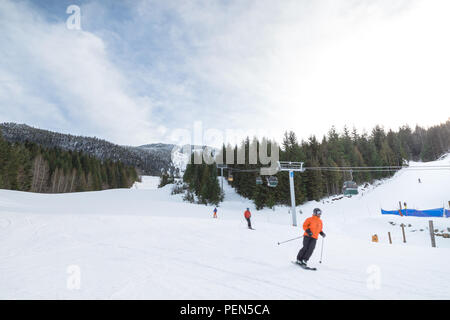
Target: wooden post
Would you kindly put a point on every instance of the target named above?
(390, 239)
(403, 232)
(400, 210)
(431, 227)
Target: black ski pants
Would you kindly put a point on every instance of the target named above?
(309, 243)
(249, 223)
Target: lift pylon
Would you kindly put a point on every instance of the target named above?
(221, 167)
(291, 167)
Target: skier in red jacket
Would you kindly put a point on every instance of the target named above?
(247, 216)
(313, 228)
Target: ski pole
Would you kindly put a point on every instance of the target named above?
(321, 251)
(290, 240)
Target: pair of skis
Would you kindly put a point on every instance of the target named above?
(303, 266)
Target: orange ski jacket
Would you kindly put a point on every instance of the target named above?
(247, 214)
(314, 224)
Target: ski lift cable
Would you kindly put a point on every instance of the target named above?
(243, 170)
(359, 169)
(369, 169)
(378, 170)
(380, 167)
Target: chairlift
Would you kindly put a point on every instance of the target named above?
(350, 188)
(259, 180)
(272, 181)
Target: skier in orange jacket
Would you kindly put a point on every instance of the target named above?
(313, 228)
(247, 216)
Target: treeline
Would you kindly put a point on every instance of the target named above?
(348, 148)
(150, 159)
(425, 144)
(202, 182)
(29, 167)
(168, 176)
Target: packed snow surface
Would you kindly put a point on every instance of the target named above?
(144, 243)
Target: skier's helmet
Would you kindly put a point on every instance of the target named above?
(317, 212)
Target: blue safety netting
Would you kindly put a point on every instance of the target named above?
(439, 212)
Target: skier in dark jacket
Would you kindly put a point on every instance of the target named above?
(313, 228)
(247, 216)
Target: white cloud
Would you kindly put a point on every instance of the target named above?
(306, 65)
(63, 79)
(262, 66)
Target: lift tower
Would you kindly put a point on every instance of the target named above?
(291, 167)
(221, 167)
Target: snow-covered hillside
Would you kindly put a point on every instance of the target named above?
(151, 159)
(145, 243)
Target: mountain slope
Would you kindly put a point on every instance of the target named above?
(149, 160)
(144, 243)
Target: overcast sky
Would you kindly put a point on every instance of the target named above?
(139, 70)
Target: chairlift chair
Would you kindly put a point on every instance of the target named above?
(272, 181)
(350, 188)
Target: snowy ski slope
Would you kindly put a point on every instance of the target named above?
(143, 243)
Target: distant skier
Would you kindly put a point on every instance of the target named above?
(313, 227)
(215, 213)
(247, 216)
